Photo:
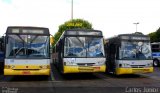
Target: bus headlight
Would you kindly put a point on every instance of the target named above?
(44, 66)
(101, 63)
(149, 65)
(12, 66)
(68, 63)
(7, 66)
(126, 65)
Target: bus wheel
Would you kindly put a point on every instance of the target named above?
(155, 63)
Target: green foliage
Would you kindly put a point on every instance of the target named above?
(71, 24)
(155, 36)
(56, 37)
(75, 23)
(158, 35)
(138, 33)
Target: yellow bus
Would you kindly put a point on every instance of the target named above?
(80, 51)
(129, 54)
(27, 51)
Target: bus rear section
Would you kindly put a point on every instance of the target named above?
(27, 51)
(129, 54)
(156, 53)
(80, 51)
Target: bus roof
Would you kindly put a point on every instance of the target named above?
(27, 30)
(133, 35)
(86, 32)
(130, 37)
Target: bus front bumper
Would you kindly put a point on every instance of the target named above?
(120, 71)
(83, 69)
(27, 72)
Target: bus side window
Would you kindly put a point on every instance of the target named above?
(155, 48)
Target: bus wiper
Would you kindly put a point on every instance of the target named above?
(34, 38)
(21, 38)
(18, 51)
(80, 41)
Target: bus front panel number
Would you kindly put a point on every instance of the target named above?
(26, 72)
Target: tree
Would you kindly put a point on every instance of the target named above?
(71, 24)
(138, 33)
(155, 36)
(75, 23)
(51, 40)
(158, 35)
(56, 37)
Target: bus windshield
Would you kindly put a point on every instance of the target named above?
(83, 47)
(27, 46)
(135, 50)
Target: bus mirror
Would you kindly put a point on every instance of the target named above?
(5, 40)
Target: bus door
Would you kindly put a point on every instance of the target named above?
(60, 55)
(112, 57)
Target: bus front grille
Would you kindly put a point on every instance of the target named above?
(85, 64)
(137, 66)
(26, 69)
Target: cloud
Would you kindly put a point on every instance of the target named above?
(7, 1)
(111, 16)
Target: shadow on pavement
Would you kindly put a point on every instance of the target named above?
(29, 78)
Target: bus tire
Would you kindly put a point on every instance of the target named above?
(1, 67)
(155, 63)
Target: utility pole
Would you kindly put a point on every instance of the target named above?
(71, 9)
(136, 25)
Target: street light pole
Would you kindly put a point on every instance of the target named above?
(136, 25)
(71, 9)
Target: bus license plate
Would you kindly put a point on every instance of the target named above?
(85, 69)
(97, 68)
(140, 70)
(146, 70)
(26, 72)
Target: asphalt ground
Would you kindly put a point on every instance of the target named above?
(82, 83)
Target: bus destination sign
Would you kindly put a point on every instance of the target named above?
(135, 38)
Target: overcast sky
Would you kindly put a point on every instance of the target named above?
(113, 17)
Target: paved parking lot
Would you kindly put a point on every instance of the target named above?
(86, 83)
